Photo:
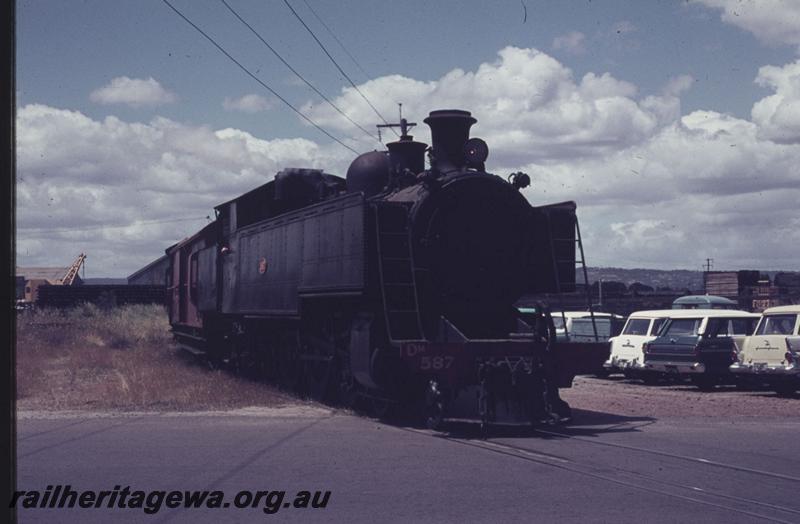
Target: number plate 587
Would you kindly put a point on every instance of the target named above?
(427, 363)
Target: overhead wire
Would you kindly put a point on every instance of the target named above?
(293, 70)
(254, 77)
(336, 38)
(324, 49)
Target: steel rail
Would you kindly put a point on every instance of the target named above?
(587, 470)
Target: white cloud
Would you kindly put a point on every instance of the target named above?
(77, 175)
(250, 103)
(572, 42)
(135, 92)
(774, 22)
(526, 100)
(705, 185)
(654, 187)
(778, 115)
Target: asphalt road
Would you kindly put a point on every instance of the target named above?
(603, 468)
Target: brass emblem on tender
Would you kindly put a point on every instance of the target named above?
(262, 265)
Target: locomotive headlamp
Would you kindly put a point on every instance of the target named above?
(475, 152)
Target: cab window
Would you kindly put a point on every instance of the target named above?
(777, 325)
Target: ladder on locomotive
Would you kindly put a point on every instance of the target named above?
(396, 272)
(555, 250)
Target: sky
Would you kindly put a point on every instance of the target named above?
(674, 125)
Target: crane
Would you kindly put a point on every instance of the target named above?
(72, 272)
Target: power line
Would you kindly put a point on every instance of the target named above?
(292, 69)
(335, 38)
(254, 77)
(336, 64)
(105, 226)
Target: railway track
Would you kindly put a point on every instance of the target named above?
(675, 456)
(700, 492)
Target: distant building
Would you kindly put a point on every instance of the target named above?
(153, 274)
(753, 290)
(33, 277)
(735, 285)
(789, 282)
(765, 295)
(730, 284)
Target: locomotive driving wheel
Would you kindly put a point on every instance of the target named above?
(318, 369)
(288, 364)
(349, 390)
(380, 407)
(323, 351)
(434, 406)
(237, 350)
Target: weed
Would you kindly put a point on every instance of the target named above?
(118, 358)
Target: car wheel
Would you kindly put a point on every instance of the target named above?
(786, 390)
(650, 379)
(704, 383)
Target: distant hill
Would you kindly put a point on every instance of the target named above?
(678, 279)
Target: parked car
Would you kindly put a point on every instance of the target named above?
(703, 302)
(580, 326)
(626, 348)
(700, 344)
(772, 354)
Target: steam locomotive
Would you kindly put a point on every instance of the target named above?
(395, 285)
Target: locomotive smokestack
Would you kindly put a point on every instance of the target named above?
(449, 133)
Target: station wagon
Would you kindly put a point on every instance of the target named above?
(772, 353)
(626, 348)
(700, 344)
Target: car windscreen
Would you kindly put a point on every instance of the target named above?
(682, 327)
(776, 325)
(636, 326)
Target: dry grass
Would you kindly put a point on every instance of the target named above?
(123, 359)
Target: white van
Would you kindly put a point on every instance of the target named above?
(578, 326)
(772, 353)
(626, 348)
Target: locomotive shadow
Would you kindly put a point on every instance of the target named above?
(585, 423)
(594, 423)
